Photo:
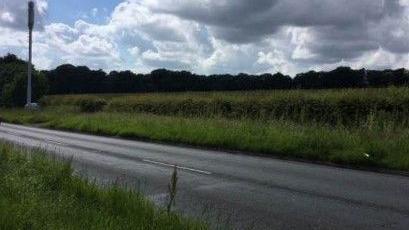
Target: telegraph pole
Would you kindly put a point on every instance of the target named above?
(30, 41)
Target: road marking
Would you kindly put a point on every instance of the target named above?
(178, 167)
(99, 151)
(55, 142)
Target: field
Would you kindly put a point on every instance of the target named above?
(37, 192)
(349, 107)
(359, 127)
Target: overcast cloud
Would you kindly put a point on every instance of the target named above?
(219, 36)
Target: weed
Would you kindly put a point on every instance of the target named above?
(172, 189)
(39, 193)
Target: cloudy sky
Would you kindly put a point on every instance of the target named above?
(211, 36)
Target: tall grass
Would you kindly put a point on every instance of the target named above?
(350, 107)
(39, 193)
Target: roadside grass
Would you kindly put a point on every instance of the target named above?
(373, 144)
(37, 192)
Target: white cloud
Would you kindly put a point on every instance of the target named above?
(7, 17)
(11, 38)
(135, 51)
(94, 12)
(210, 36)
(404, 2)
(11, 12)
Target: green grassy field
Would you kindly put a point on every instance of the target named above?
(350, 107)
(39, 193)
(356, 127)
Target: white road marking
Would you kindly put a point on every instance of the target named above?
(55, 142)
(144, 160)
(178, 167)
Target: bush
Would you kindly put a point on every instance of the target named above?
(91, 105)
(14, 93)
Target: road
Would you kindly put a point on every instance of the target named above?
(241, 190)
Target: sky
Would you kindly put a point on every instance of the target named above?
(211, 36)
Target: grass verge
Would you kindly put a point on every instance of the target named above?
(380, 145)
(39, 193)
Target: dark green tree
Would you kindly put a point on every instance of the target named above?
(13, 82)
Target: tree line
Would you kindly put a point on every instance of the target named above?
(69, 79)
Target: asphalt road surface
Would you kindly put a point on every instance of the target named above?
(246, 192)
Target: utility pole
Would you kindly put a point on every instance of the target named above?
(30, 41)
(365, 82)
